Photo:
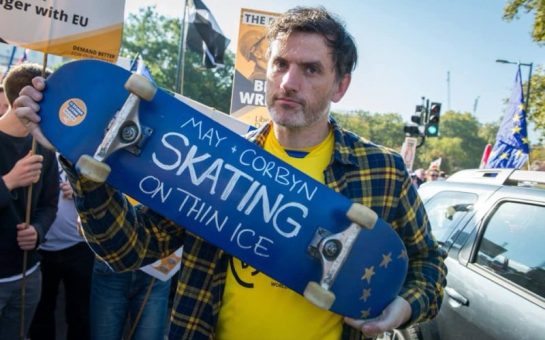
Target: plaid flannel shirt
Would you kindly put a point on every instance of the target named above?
(129, 237)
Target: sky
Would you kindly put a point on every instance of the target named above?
(407, 48)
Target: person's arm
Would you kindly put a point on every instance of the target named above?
(426, 278)
(47, 199)
(25, 172)
(126, 237)
(5, 195)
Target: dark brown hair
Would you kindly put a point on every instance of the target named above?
(319, 20)
(20, 76)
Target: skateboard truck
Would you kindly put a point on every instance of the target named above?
(124, 131)
(333, 250)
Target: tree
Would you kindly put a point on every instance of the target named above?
(488, 132)
(513, 7)
(460, 145)
(156, 38)
(380, 128)
(536, 109)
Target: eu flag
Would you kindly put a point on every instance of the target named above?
(511, 149)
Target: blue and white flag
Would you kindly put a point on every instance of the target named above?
(512, 146)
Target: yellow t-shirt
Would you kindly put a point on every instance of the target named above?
(257, 307)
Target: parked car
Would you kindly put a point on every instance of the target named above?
(492, 224)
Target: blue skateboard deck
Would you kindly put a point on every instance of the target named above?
(218, 185)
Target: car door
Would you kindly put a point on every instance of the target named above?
(496, 284)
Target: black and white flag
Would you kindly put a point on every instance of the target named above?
(204, 34)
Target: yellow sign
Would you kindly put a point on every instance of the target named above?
(70, 28)
(248, 99)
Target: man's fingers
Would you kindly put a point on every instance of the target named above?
(370, 328)
(395, 314)
(38, 83)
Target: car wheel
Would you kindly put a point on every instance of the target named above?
(411, 333)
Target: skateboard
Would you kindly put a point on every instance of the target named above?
(117, 127)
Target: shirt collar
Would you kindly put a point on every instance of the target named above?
(342, 150)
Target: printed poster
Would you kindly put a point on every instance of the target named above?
(69, 28)
(248, 99)
(408, 152)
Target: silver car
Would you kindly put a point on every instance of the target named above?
(492, 223)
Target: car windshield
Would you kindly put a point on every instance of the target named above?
(445, 209)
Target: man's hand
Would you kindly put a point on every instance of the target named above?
(66, 190)
(393, 316)
(26, 171)
(27, 236)
(26, 108)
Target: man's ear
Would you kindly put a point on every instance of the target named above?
(342, 87)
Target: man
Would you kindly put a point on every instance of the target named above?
(432, 174)
(3, 101)
(19, 168)
(311, 58)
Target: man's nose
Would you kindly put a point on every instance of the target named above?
(291, 80)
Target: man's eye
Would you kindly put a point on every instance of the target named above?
(312, 69)
(280, 65)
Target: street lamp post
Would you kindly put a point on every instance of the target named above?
(530, 66)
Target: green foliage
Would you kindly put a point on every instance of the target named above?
(156, 38)
(488, 132)
(537, 153)
(536, 109)
(461, 143)
(384, 129)
(513, 7)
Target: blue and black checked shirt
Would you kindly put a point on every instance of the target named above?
(129, 237)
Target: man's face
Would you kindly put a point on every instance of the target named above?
(3, 104)
(301, 80)
(433, 175)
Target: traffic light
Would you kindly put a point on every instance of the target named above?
(412, 130)
(432, 125)
(417, 118)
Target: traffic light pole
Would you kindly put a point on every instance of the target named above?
(422, 141)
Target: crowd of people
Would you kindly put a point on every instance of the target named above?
(78, 229)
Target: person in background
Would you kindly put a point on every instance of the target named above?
(4, 106)
(66, 259)
(420, 177)
(311, 59)
(21, 167)
(432, 174)
(118, 299)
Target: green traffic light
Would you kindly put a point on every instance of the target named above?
(432, 130)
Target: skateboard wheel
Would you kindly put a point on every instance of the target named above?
(141, 87)
(319, 296)
(362, 215)
(93, 169)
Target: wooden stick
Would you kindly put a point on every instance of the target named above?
(141, 310)
(27, 221)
